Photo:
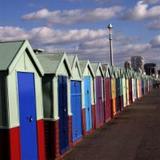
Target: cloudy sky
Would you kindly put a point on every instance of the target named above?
(80, 27)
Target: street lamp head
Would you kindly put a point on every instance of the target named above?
(110, 26)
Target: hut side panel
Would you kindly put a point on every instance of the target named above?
(3, 103)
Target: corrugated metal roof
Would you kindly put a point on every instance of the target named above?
(50, 62)
(8, 51)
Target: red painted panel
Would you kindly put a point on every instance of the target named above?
(52, 139)
(93, 116)
(70, 130)
(15, 143)
(41, 140)
(10, 144)
(83, 121)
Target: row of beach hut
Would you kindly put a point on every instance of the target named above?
(48, 102)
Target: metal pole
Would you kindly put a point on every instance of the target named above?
(110, 44)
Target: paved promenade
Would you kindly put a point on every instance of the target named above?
(133, 135)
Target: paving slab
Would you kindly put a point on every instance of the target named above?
(133, 135)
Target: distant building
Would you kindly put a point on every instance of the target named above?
(137, 63)
(150, 68)
(127, 65)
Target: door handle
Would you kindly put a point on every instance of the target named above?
(30, 119)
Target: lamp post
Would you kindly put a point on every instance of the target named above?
(110, 43)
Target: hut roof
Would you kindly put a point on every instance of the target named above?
(96, 66)
(52, 61)
(73, 60)
(84, 64)
(10, 52)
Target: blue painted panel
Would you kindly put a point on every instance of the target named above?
(76, 110)
(63, 113)
(87, 94)
(27, 110)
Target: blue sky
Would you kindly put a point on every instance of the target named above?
(79, 26)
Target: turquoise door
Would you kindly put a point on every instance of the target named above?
(87, 97)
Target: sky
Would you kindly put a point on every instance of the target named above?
(80, 27)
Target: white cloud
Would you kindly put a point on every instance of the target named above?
(68, 17)
(12, 33)
(87, 43)
(155, 42)
(154, 25)
(47, 35)
(151, 1)
(142, 11)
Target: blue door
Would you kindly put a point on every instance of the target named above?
(63, 113)
(27, 111)
(87, 94)
(76, 110)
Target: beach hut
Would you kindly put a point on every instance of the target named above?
(88, 97)
(130, 86)
(113, 91)
(144, 90)
(138, 86)
(107, 92)
(56, 98)
(127, 87)
(141, 84)
(99, 99)
(134, 86)
(21, 107)
(76, 98)
(124, 87)
(118, 90)
(146, 84)
(121, 88)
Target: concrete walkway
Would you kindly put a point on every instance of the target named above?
(133, 135)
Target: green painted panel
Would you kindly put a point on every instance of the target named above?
(8, 51)
(50, 62)
(3, 104)
(47, 96)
